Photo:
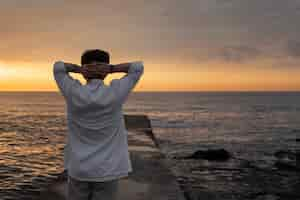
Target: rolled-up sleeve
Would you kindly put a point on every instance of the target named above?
(126, 84)
(63, 80)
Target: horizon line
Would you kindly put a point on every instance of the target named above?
(163, 91)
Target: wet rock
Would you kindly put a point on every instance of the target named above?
(287, 160)
(288, 166)
(211, 155)
(285, 154)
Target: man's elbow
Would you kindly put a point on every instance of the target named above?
(140, 66)
(140, 71)
(58, 66)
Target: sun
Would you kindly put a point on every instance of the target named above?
(2, 70)
(7, 71)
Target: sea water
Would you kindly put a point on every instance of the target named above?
(250, 125)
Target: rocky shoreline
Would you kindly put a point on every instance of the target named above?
(207, 175)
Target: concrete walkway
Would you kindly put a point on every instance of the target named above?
(150, 179)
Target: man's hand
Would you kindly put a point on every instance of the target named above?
(97, 70)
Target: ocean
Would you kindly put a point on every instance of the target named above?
(250, 125)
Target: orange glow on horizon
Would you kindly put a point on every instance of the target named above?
(39, 77)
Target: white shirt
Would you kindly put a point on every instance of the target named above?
(97, 148)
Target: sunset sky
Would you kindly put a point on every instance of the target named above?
(192, 45)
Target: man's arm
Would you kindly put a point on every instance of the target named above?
(124, 85)
(103, 68)
(72, 68)
(123, 67)
(63, 79)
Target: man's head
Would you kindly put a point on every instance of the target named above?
(95, 56)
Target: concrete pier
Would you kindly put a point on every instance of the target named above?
(150, 179)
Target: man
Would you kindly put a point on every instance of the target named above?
(96, 154)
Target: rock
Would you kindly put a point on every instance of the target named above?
(287, 166)
(287, 160)
(211, 155)
(285, 155)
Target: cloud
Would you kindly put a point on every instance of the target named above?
(161, 30)
(293, 48)
(239, 53)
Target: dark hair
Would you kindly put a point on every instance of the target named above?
(94, 55)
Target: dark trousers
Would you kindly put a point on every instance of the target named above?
(84, 190)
